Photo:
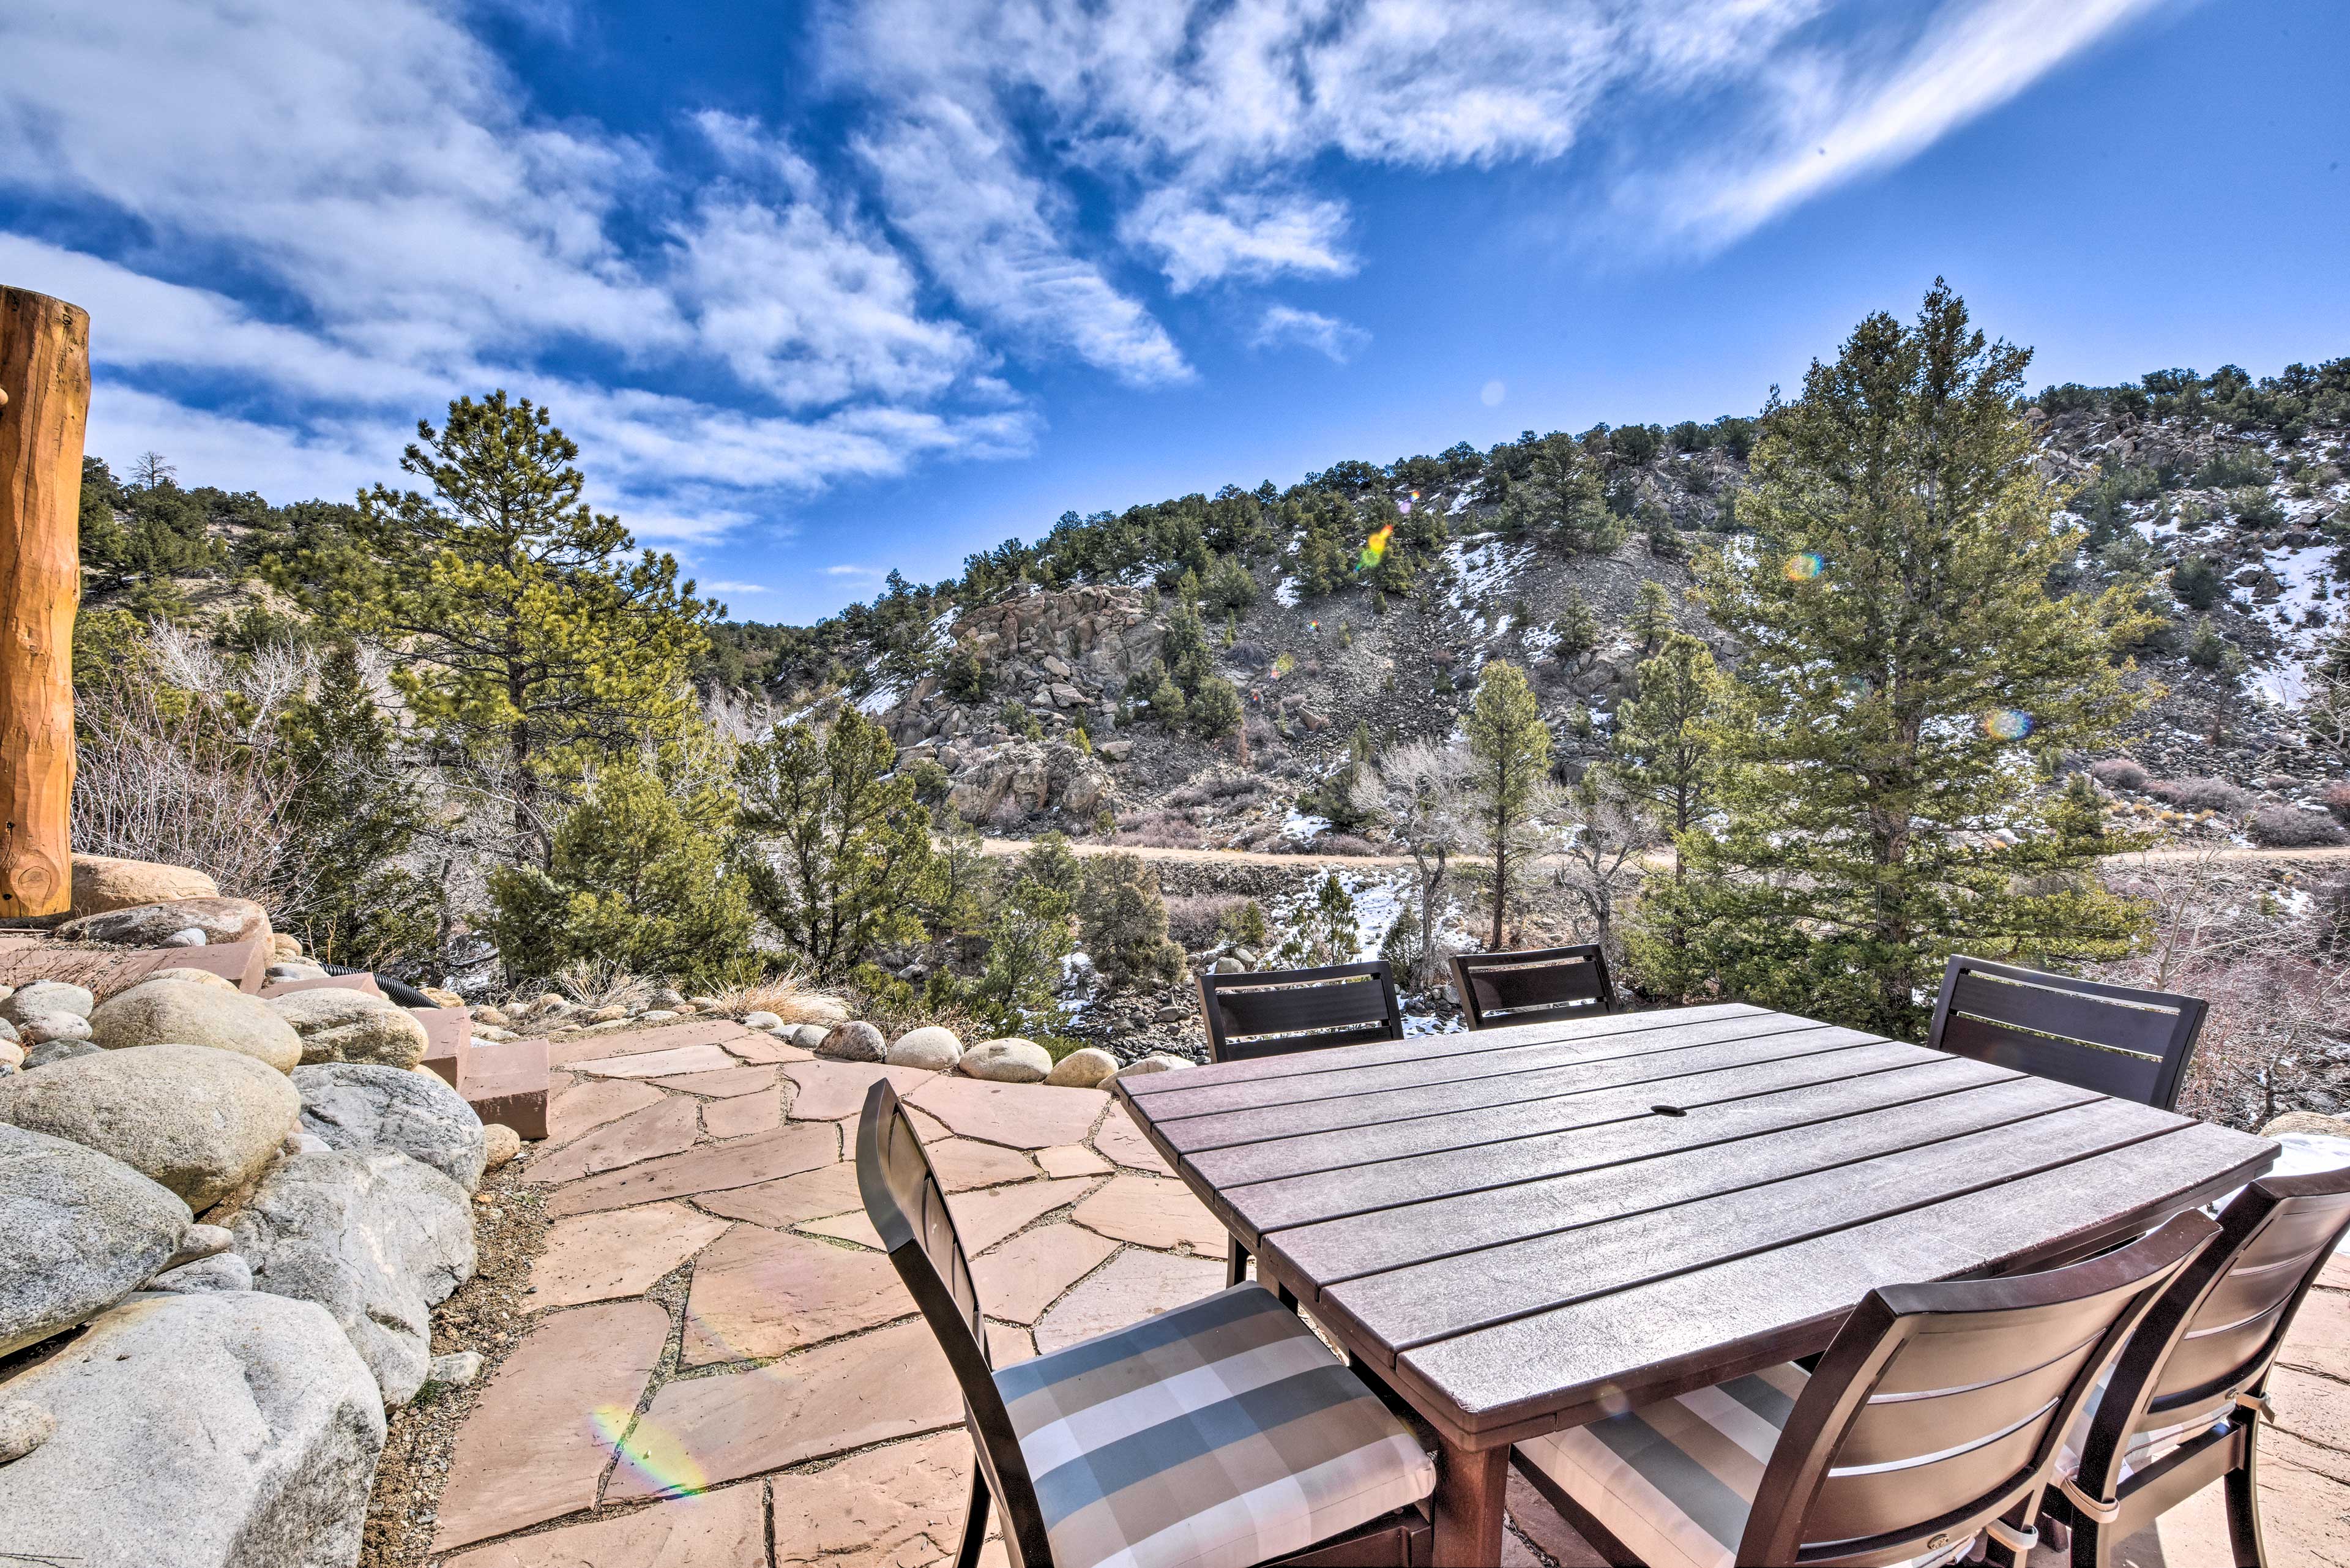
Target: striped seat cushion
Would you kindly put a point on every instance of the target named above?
(1217, 1435)
(1675, 1481)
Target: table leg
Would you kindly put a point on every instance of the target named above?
(1470, 1486)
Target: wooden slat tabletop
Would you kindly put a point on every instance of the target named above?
(1524, 1226)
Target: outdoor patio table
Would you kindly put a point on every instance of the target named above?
(1533, 1227)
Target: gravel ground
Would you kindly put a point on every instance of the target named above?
(488, 1313)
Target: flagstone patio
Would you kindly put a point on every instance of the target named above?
(726, 1372)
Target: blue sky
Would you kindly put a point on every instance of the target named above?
(826, 290)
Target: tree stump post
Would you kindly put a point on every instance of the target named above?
(44, 412)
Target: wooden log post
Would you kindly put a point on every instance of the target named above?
(44, 412)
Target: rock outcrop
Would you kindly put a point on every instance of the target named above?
(199, 1431)
(102, 883)
(374, 1237)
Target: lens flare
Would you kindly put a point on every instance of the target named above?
(2006, 724)
(652, 1451)
(1802, 567)
(1374, 548)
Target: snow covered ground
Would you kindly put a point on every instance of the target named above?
(2307, 574)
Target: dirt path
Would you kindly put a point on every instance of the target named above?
(1661, 859)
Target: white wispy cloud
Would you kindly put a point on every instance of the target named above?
(735, 588)
(1285, 326)
(1843, 120)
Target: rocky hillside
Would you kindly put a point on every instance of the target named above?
(2226, 499)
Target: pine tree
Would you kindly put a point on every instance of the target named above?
(1666, 752)
(1577, 627)
(525, 638)
(354, 816)
(1899, 642)
(1215, 708)
(1123, 919)
(1327, 934)
(637, 878)
(841, 849)
(1652, 616)
(1509, 747)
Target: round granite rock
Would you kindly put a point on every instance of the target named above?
(356, 1106)
(84, 1231)
(337, 1025)
(1084, 1068)
(179, 1011)
(200, 1122)
(42, 997)
(1008, 1060)
(854, 1041)
(931, 1046)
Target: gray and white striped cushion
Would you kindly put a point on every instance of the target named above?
(1215, 1436)
(1675, 1481)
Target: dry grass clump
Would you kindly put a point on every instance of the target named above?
(788, 997)
(2290, 827)
(2119, 772)
(601, 982)
(2200, 794)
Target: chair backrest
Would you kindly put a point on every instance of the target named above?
(2216, 1332)
(1939, 1408)
(1532, 987)
(2131, 1045)
(1275, 1012)
(907, 1206)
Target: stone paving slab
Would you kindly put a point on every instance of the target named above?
(1130, 1287)
(722, 1082)
(668, 1125)
(743, 1115)
(850, 1227)
(1151, 1212)
(901, 1504)
(1071, 1159)
(584, 1107)
(834, 1091)
(577, 1048)
(1025, 1115)
(618, 1253)
(757, 1047)
(725, 1529)
(541, 1433)
(659, 1064)
(1122, 1141)
(963, 1164)
(828, 1189)
(1027, 1275)
(984, 1219)
(711, 1167)
(893, 1383)
(760, 1292)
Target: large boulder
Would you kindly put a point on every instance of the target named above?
(351, 1026)
(199, 1431)
(180, 1012)
(356, 1106)
(201, 1122)
(374, 1237)
(102, 883)
(153, 925)
(82, 1231)
(1011, 1061)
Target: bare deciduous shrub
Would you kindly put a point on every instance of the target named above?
(2290, 827)
(1344, 843)
(1221, 787)
(2266, 960)
(2200, 794)
(2119, 772)
(1193, 919)
(2338, 801)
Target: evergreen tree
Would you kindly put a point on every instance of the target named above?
(525, 638)
(1901, 641)
(1123, 919)
(1029, 941)
(1327, 933)
(1652, 616)
(637, 878)
(1666, 752)
(841, 849)
(1577, 627)
(1509, 749)
(1215, 708)
(353, 817)
(1167, 704)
